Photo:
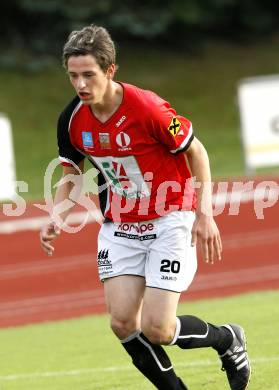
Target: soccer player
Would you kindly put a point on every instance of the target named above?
(146, 155)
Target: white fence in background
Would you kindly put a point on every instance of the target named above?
(258, 99)
(7, 161)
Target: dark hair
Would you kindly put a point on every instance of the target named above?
(92, 40)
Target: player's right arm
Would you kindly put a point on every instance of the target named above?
(63, 193)
(73, 164)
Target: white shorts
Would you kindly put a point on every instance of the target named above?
(159, 250)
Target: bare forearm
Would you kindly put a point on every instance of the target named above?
(63, 204)
(204, 228)
(66, 195)
(199, 164)
(68, 192)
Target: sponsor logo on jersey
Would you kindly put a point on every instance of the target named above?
(174, 126)
(104, 140)
(121, 181)
(87, 140)
(123, 140)
(121, 120)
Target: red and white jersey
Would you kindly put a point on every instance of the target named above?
(137, 152)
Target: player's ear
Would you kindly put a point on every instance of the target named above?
(111, 71)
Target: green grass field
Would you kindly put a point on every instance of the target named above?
(201, 86)
(83, 354)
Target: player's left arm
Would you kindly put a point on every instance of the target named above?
(204, 229)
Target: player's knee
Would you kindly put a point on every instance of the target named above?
(158, 333)
(123, 328)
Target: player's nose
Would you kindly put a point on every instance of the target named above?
(81, 83)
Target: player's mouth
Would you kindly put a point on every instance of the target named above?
(84, 95)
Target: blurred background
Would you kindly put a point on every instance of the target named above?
(192, 52)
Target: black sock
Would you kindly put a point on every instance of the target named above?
(191, 332)
(153, 362)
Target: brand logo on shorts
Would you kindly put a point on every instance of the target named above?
(103, 258)
(135, 232)
(104, 264)
(172, 278)
(142, 228)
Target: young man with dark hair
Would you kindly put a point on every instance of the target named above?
(146, 155)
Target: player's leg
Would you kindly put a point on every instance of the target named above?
(170, 268)
(228, 340)
(124, 300)
(158, 325)
(158, 320)
(161, 325)
(121, 268)
(123, 295)
(121, 263)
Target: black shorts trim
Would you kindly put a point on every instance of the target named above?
(165, 289)
(116, 276)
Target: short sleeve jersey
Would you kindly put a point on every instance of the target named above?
(137, 152)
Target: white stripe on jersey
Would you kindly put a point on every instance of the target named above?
(184, 143)
(73, 114)
(65, 160)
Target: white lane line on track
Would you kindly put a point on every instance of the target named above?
(219, 199)
(64, 303)
(36, 223)
(46, 266)
(240, 240)
(236, 277)
(88, 261)
(59, 303)
(68, 263)
(43, 267)
(241, 196)
(89, 371)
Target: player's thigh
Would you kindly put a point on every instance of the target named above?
(172, 261)
(123, 295)
(119, 253)
(159, 311)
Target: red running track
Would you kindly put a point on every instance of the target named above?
(35, 288)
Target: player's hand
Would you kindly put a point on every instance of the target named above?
(206, 232)
(47, 235)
